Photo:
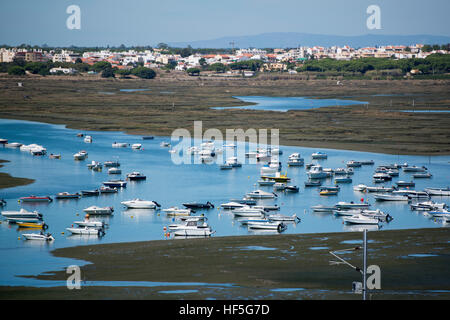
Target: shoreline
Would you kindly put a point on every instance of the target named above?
(255, 267)
(8, 181)
(152, 113)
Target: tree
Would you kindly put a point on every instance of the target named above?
(143, 72)
(193, 71)
(162, 45)
(218, 67)
(16, 71)
(101, 65)
(108, 73)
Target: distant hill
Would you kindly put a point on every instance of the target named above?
(294, 39)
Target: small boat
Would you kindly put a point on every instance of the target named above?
(2, 203)
(79, 156)
(310, 183)
(148, 138)
(330, 188)
(343, 180)
(328, 192)
(439, 213)
(267, 207)
(90, 223)
(390, 197)
(115, 183)
(13, 145)
(360, 219)
(99, 210)
(260, 194)
(175, 211)
(428, 206)
(86, 231)
(351, 205)
(438, 191)
(418, 195)
(422, 175)
(108, 190)
(38, 236)
(405, 184)
(140, 204)
(245, 200)
(134, 176)
(36, 199)
(279, 186)
(322, 208)
(196, 205)
(193, 229)
(87, 193)
(265, 182)
(136, 146)
(114, 170)
(88, 139)
(316, 172)
(367, 162)
(343, 171)
(360, 187)
(3, 141)
(94, 164)
(21, 214)
(393, 172)
(226, 166)
(281, 217)
(279, 226)
(233, 161)
(414, 169)
(353, 164)
(248, 212)
(67, 195)
(381, 177)
(109, 164)
(295, 160)
(34, 225)
(164, 144)
(120, 145)
(54, 156)
(80, 135)
(319, 155)
(379, 189)
(292, 189)
(277, 178)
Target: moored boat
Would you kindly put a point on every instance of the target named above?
(67, 195)
(95, 210)
(38, 236)
(36, 199)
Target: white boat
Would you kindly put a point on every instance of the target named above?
(414, 169)
(267, 225)
(86, 231)
(120, 145)
(438, 191)
(136, 146)
(353, 164)
(193, 229)
(260, 194)
(13, 145)
(189, 223)
(316, 172)
(422, 175)
(265, 182)
(233, 161)
(140, 204)
(22, 213)
(428, 206)
(281, 217)
(99, 210)
(248, 212)
(351, 205)
(273, 167)
(379, 189)
(38, 236)
(360, 187)
(109, 164)
(322, 208)
(319, 155)
(79, 156)
(232, 205)
(164, 144)
(114, 170)
(267, 207)
(295, 160)
(360, 219)
(439, 213)
(90, 223)
(88, 139)
(175, 211)
(279, 186)
(390, 197)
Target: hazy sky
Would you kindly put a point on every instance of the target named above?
(148, 22)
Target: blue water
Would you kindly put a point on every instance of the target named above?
(169, 185)
(284, 104)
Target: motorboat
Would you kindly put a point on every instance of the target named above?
(95, 210)
(438, 191)
(328, 192)
(90, 223)
(3, 141)
(381, 177)
(232, 205)
(260, 194)
(87, 193)
(330, 188)
(22, 213)
(267, 207)
(292, 189)
(353, 164)
(414, 169)
(343, 171)
(13, 145)
(86, 231)
(140, 204)
(108, 190)
(251, 154)
(393, 172)
(2, 202)
(295, 160)
(316, 172)
(36, 199)
(272, 168)
(94, 164)
(175, 211)
(164, 144)
(367, 162)
(248, 212)
(246, 221)
(311, 183)
(439, 213)
(192, 228)
(120, 145)
(34, 225)
(79, 156)
(418, 195)
(133, 176)
(196, 205)
(351, 205)
(279, 226)
(148, 138)
(405, 184)
(279, 186)
(114, 170)
(54, 156)
(136, 146)
(360, 187)
(88, 139)
(323, 208)
(422, 175)
(265, 182)
(390, 197)
(428, 206)
(247, 201)
(67, 195)
(115, 183)
(38, 236)
(360, 219)
(379, 189)
(109, 164)
(226, 166)
(278, 177)
(319, 155)
(284, 218)
(343, 180)
(233, 161)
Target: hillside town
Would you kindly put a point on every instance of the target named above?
(272, 59)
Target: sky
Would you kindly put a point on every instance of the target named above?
(149, 22)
